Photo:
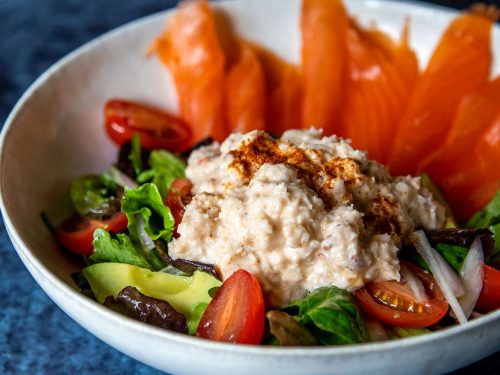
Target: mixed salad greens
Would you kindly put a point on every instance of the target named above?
(125, 218)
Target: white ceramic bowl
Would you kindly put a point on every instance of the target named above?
(59, 121)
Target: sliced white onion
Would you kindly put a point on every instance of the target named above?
(376, 331)
(146, 241)
(451, 276)
(429, 254)
(414, 283)
(472, 274)
(121, 178)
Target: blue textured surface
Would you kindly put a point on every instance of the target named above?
(36, 337)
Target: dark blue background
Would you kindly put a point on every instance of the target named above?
(36, 337)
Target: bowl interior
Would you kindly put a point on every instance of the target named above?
(56, 132)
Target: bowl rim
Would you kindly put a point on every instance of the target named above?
(104, 313)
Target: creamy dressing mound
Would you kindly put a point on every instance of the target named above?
(301, 212)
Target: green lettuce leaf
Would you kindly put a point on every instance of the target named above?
(165, 168)
(331, 315)
(118, 248)
(145, 203)
(94, 197)
(135, 154)
(489, 217)
(411, 255)
(287, 331)
(114, 175)
(453, 254)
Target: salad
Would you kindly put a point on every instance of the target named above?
(269, 211)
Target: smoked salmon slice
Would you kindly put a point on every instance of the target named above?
(475, 113)
(245, 92)
(191, 50)
(324, 64)
(459, 65)
(283, 92)
(381, 76)
(466, 167)
(475, 184)
(402, 55)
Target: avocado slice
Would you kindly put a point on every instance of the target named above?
(187, 294)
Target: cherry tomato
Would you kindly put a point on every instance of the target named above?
(76, 233)
(178, 196)
(236, 314)
(181, 186)
(393, 303)
(489, 299)
(156, 129)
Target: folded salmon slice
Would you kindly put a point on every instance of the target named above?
(324, 27)
(459, 65)
(475, 113)
(474, 185)
(465, 167)
(191, 50)
(283, 92)
(381, 76)
(402, 55)
(245, 91)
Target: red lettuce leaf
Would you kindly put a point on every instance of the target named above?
(135, 305)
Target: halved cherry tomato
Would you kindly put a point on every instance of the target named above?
(489, 299)
(76, 233)
(236, 314)
(156, 129)
(394, 303)
(178, 196)
(182, 186)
